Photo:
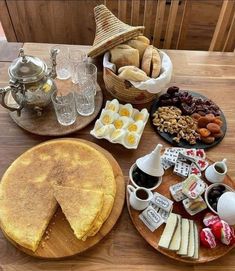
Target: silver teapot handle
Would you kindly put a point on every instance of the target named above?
(3, 93)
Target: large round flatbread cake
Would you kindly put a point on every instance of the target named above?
(30, 190)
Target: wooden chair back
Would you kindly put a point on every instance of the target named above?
(224, 36)
(158, 17)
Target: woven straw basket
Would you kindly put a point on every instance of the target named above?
(110, 31)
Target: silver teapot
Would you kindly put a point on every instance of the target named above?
(31, 83)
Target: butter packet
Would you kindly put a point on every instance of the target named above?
(176, 192)
(162, 202)
(164, 214)
(194, 206)
(193, 186)
(151, 218)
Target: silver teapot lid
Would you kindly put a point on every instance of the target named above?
(27, 69)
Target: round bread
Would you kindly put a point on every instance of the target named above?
(156, 64)
(140, 43)
(132, 73)
(146, 60)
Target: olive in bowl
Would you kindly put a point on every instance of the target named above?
(141, 179)
(213, 193)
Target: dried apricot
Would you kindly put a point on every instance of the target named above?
(208, 140)
(202, 122)
(219, 134)
(210, 117)
(204, 132)
(213, 128)
(218, 121)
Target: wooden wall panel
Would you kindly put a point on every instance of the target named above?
(72, 21)
(54, 21)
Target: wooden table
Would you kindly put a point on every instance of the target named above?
(209, 73)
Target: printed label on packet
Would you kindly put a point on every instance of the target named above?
(176, 192)
(164, 214)
(162, 202)
(151, 218)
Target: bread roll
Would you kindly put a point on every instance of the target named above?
(123, 55)
(146, 60)
(132, 73)
(140, 43)
(156, 64)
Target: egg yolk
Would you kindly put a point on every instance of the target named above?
(139, 116)
(111, 107)
(124, 112)
(133, 128)
(118, 124)
(131, 139)
(106, 119)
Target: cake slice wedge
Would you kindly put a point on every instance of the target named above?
(81, 207)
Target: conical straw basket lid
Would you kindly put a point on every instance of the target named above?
(110, 31)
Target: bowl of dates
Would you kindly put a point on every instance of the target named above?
(141, 179)
(213, 193)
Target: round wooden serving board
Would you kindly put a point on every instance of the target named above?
(47, 124)
(62, 242)
(184, 144)
(205, 254)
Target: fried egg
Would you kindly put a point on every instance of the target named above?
(112, 105)
(142, 115)
(136, 126)
(125, 110)
(121, 122)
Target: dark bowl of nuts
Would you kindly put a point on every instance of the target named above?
(213, 193)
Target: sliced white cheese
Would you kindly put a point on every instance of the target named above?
(185, 238)
(169, 231)
(176, 239)
(197, 242)
(191, 243)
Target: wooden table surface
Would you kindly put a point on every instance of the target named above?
(209, 73)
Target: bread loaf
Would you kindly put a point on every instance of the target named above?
(156, 64)
(132, 73)
(123, 55)
(140, 43)
(146, 60)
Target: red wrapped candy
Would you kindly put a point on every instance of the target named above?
(223, 232)
(210, 219)
(207, 238)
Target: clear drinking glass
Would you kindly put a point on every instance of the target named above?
(85, 98)
(76, 57)
(65, 108)
(62, 62)
(87, 71)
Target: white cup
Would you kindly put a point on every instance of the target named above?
(139, 197)
(212, 173)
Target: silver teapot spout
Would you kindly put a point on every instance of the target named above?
(52, 69)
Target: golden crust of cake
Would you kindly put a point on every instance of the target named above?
(81, 207)
(69, 163)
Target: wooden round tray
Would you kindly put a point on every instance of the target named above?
(62, 242)
(205, 254)
(184, 144)
(47, 124)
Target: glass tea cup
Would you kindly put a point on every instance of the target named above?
(76, 57)
(87, 71)
(85, 97)
(62, 62)
(65, 108)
